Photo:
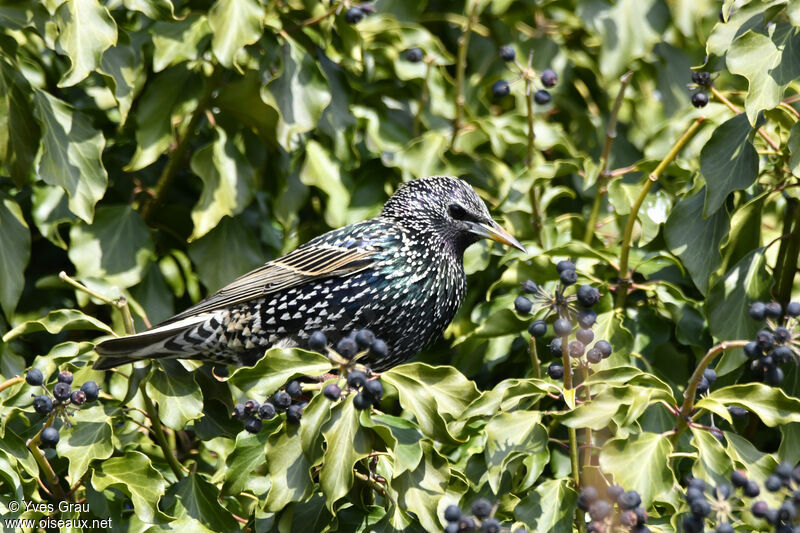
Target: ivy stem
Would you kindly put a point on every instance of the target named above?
(573, 436)
(120, 303)
(423, 97)
(605, 157)
(786, 265)
(19, 379)
(761, 131)
(380, 489)
(587, 432)
(534, 354)
(537, 216)
(463, 45)
(624, 274)
(177, 155)
(691, 390)
(44, 464)
(158, 432)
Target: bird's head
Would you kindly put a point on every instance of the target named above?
(449, 208)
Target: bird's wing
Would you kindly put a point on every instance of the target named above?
(309, 262)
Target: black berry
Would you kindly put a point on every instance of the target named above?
(452, 513)
(34, 377)
(773, 483)
(91, 390)
(594, 356)
(738, 479)
(356, 379)
(700, 508)
(702, 386)
(65, 376)
(332, 392)
(613, 492)
(584, 335)
(751, 489)
(507, 53)
(542, 97)
(490, 525)
(42, 404)
(587, 497)
(379, 349)
(294, 389)
(588, 295)
(774, 310)
(737, 412)
(561, 266)
(784, 471)
(530, 287)
(78, 397)
(374, 389)
(481, 508)
(701, 78)
(710, 375)
(562, 327)
(414, 55)
(576, 348)
(568, 277)
(782, 335)
(252, 425)
(364, 338)
(724, 528)
(759, 509)
(586, 318)
(599, 510)
(764, 339)
(501, 89)
(362, 401)
(555, 371)
(757, 311)
(251, 407)
(793, 309)
(549, 78)
(266, 411)
(354, 15)
(773, 376)
(604, 347)
(62, 391)
(294, 413)
(538, 328)
(752, 350)
(317, 342)
(239, 412)
(555, 347)
(700, 99)
(281, 400)
(629, 499)
(452, 527)
(522, 305)
(49, 437)
(347, 347)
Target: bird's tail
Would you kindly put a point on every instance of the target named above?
(158, 342)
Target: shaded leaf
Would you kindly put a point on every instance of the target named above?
(56, 322)
(85, 30)
(550, 508)
(277, 367)
(235, 24)
(15, 251)
(512, 435)
(770, 404)
(134, 475)
(178, 397)
(19, 132)
(89, 439)
(194, 497)
(728, 162)
(650, 453)
(347, 442)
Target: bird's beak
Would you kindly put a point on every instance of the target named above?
(495, 232)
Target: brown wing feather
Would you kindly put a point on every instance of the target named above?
(295, 268)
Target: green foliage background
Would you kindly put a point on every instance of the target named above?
(156, 149)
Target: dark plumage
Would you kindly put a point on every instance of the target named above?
(400, 274)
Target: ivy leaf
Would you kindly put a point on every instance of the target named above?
(512, 435)
(728, 162)
(228, 182)
(178, 397)
(320, 171)
(730, 297)
(194, 497)
(15, 251)
(56, 322)
(347, 442)
(123, 69)
(713, 462)
(419, 491)
(115, 247)
(770, 404)
(278, 366)
(696, 240)
(19, 132)
(235, 24)
(401, 435)
(290, 480)
(89, 439)
(71, 154)
(134, 475)
(85, 30)
(242, 465)
(550, 508)
(794, 149)
(769, 62)
(154, 9)
(175, 42)
(649, 453)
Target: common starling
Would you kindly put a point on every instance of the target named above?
(400, 274)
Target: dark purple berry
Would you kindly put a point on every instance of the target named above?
(568, 277)
(294, 389)
(565, 265)
(613, 492)
(584, 335)
(332, 392)
(34, 377)
(239, 412)
(491, 525)
(759, 509)
(501, 89)
(751, 489)
(266, 411)
(452, 513)
(629, 499)
(347, 347)
(252, 425)
(738, 479)
(555, 371)
(701, 78)
(764, 339)
(752, 350)
(65, 376)
(281, 400)
(356, 379)
(354, 15)
(522, 305)
(793, 309)
(562, 327)
(49, 437)
(78, 397)
(774, 310)
(414, 55)
(538, 328)
(587, 497)
(710, 375)
(362, 401)
(251, 407)
(588, 295)
(379, 349)
(587, 318)
(576, 348)
(604, 347)
(42, 404)
(374, 389)
(364, 338)
(600, 509)
(317, 342)
(62, 391)
(542, 97)
(549, 78)
(784, 471)
(91, 390)
(294, 413)
(481, 508)
(530, 287)
(594, 356)
(757, 311)
(773, 483)
(507, 53)
(782, 335)
(700, 508)
(773, 376)
(700, 99)
(555, 347)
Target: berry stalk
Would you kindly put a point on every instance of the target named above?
(44, 464)
(761, 131)
(537, 217)
(691, 390)
(605, 157)
(120, 303)
(624, 274)
(13, 381)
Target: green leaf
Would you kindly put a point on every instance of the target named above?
(649, 453)
(550, 508)
(194, 497)
(512, 435)
(713, 463)
(115, 247)
(228, 182)
(769, 62)
(320, 171)
(58, 321)
(401, 435)
(235, 24)
(697, 240)
(19, 132)
(71, 154)
(623, 404)
(732, 294)
(123, 68)
(290, 480)
(225, 253)
(420, 490)
(793, 144)
(278, 366)
(242, 465)
(728, 162)
(299, 94)
(154, 9)
(178, 397)
(175, 42)
(15, 251)
(134, 475)
(752, 15)
(89, 439)
(347, 443)
(770, 404)
(85, 30)
(432, 394)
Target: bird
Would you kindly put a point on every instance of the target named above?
(400, 275)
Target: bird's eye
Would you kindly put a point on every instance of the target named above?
(457, 212)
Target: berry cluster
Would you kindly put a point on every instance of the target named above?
(368, 392)
(700, 81)
(725, 505)
(482, 517)
(776, 343)
(629, 515)
(548, 78)
(563, 307)
(357, 344)
(63, 395)
(289, 400)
